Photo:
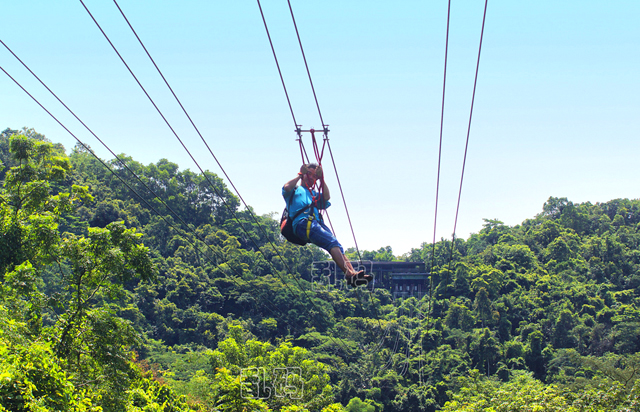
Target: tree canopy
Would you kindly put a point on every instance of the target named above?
(161, 293)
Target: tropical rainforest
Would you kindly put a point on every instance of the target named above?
(131, 287)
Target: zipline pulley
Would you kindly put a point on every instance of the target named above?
(316, 151)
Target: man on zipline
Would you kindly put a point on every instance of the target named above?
(304, 203)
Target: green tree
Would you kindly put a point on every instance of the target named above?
(485, 351)
(482, 305)
(31, 378)
(562, 331)
(290, 376)
(357, 405)
(61, 285)
(522, 393)
(461, 286)
(534, 358)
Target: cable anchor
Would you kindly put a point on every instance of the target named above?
(299, 131)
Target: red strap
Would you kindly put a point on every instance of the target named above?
(318, 153)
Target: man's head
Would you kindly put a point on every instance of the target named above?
(309, 178)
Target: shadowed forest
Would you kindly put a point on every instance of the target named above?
(160, 293)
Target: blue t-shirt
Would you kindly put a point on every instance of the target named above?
(301, 198)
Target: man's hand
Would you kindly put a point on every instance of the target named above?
(319, 172)
(303, 169)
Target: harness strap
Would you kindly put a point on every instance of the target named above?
(309, 225)
(299, 212)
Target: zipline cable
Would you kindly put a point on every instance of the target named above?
(305, 62)
(202, 171)
(466, 146)
(435, 219)
(475, 82)
(344, 201)
(273, 50)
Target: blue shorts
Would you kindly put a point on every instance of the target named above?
(319, 234)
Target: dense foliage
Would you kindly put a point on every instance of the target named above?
(159, 293)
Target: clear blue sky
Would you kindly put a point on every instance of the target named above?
(556, 114)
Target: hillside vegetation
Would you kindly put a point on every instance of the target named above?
(113, 299)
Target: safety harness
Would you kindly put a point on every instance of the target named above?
(286, 222)
(310, 218)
